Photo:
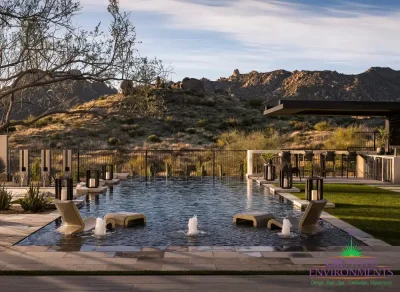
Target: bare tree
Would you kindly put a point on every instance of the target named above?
(42, 51)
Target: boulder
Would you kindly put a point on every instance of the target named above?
(176, 85)
(126, 87)
(193, 84)
(210, 101)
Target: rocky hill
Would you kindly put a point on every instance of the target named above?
(198, 112)
(37, 100)
(376, 84)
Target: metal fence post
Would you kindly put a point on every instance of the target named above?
(145, 165)
(78, 175)
(213, 165)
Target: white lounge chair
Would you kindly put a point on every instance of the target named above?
(72, 219)
(308, 222)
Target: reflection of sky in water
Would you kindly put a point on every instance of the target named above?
(168, 205)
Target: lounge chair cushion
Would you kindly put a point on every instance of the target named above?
(257, 219)
(126, 219)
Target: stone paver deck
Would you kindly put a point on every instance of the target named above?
(176, 283)
(180, 258)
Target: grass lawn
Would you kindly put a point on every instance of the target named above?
(373, 210)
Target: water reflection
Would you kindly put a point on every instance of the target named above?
(249, 194)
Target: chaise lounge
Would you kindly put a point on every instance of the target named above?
(72, 219)
(308, 222)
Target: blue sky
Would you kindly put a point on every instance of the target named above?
(210, 38)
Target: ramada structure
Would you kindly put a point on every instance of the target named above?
(390, 163)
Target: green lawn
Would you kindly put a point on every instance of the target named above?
(370, 209)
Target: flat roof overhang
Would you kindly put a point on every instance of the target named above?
(333, 108)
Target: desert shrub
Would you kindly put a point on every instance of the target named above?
(202, 123)
(141, 132)
(343, 138)
(239, 140)
(5, 198)
(323, 126)
(55, 136)
(128, 121)
(154, 139)
(191, 131)
(35, 169)
(29, 119)
(77, 124)
(256, 102)
(297, 125)
(42, 123)
(113, 141)
(168, 119)
(34, 201)
(247, 123)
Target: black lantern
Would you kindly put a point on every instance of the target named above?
(269, 171)
(92, 178)
(23, 168)
(318, 183)
(286, 177)
(107, 172)
(59, 185)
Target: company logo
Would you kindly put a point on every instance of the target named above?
(351, 268)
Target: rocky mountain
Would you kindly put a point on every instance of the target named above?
(376, 84)
(37, 100)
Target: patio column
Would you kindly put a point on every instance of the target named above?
(4, 153)
(249, 163)
(396, 170)
(45, 163)
(360, 166)
(67, 160)
(24, 166)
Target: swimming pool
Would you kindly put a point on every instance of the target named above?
(168, 205)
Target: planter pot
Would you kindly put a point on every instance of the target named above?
(380, 150)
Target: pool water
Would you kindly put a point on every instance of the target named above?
(168, 205)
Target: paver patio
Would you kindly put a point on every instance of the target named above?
(176, 283)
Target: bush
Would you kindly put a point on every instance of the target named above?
(191, 131)
(202, 123)
(256, 102)
(129, 121)
(168, 119)
(5, 199)
(238, 140)
(113, 141)
(344, 138)
(154, 139)
(297, 125)
(35, 169)
(33, 201)
(323, 126)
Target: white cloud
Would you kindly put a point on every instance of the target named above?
(349, 33)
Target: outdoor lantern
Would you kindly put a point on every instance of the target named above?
(107, 171)
(23, 169)
(269, 171)
(66, 193)
(286, 177)
(316, 193)
(92, 178)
